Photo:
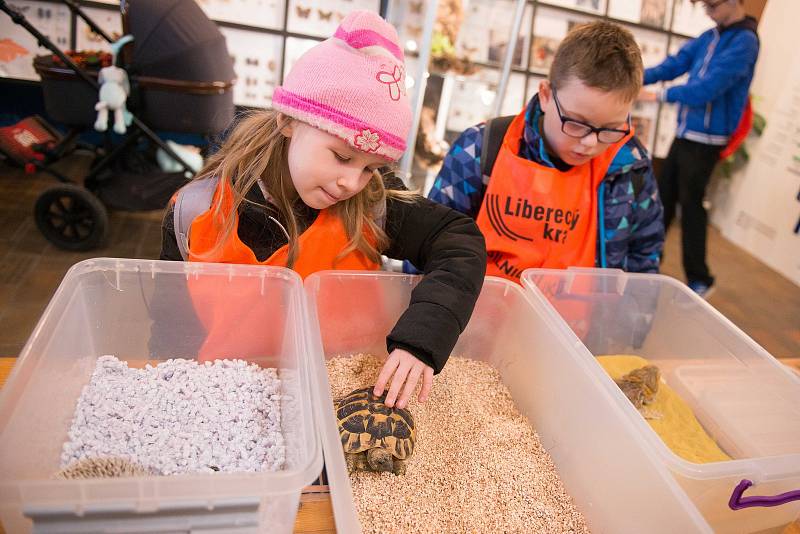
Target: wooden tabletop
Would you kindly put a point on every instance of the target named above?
(315, 514)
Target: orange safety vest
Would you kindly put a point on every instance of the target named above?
(320, 244)
(538, 216)
(234, 328)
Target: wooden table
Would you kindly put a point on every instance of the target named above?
(315, 514)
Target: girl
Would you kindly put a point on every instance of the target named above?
(301, 186)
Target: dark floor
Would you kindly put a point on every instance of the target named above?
(757, 299)
(32, 268)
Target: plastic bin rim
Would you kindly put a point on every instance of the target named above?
(307, 473)
(180, 267)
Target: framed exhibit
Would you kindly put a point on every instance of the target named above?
(320, 18)
(266, 37)
(19, 47)
(550, 26)
(258, 13)
(109, 20)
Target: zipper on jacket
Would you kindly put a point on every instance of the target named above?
(707, 120)
(709, 53)
(268, 200)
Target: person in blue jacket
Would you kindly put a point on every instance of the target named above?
(720, 65)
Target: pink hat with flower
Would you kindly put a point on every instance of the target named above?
(353, 86)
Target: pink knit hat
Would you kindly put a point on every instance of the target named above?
(353, 86)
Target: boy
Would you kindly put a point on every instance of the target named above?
(565, 183)
(720, 63)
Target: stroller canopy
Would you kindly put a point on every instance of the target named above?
(175, 40)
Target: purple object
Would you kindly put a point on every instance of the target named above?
(738, 502)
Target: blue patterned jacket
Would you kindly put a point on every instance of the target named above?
(631, 234)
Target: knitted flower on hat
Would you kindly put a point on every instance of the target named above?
(353, 86)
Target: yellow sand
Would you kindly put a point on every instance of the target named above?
(677, 427)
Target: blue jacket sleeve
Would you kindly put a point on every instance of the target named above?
(647, 231)
(459, 184)
(673, 66)
(730, 67)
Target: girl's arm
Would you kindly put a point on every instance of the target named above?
(449, 249)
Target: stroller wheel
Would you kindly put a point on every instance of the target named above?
(71, 217)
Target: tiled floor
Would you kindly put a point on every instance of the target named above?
(754, 297)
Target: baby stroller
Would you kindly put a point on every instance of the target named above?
(180, 77)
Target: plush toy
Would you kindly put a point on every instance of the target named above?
(114, 91)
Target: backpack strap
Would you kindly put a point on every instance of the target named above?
(193, 199)
(493, 133)
(638, 184)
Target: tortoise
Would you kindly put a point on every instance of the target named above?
(374, 436)
(641, 388)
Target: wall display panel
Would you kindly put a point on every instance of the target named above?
(109, 20)
(514, 100)
(321, 18)
(257, 13)
(472, 100)
(592, 6)
(550, 26)
(485, 31)
(408, 18)
(690, 18)
(655, 13)
(295, 47)
(533, 86)
(643, 119)
(412, 64)
(257, 62)
(667, 125)
(18, 47)
(653, 45)
(273, 34)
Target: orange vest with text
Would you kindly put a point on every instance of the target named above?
(537, 216)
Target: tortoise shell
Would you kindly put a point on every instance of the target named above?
(365, 422)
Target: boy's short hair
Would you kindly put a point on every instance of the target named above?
(602, 55)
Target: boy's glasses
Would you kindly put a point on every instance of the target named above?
(579, 130)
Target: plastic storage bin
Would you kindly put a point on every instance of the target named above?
(140, 310)
(615, 481)
(746, 400)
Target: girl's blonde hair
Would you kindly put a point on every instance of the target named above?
(257, 150)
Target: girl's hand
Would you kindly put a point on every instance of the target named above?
(406, 369)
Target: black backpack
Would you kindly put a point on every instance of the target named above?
(493, 133)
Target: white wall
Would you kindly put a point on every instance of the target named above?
(759, 208)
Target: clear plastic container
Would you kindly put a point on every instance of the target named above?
(746, 400)
(138, 311)
(616, 481)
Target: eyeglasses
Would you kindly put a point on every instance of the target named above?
(579, 130)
